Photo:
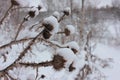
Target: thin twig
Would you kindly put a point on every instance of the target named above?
(21, 55)
(15, 42)
(61, 18)
(19, 29)
(34, 25)
(53, 43)
(10, 76)
(21, 8)
(6, 14)
(37, 74)
(47, 63)
(60, 32)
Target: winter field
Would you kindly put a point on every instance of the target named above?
(59, 40)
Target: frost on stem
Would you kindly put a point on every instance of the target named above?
(69, 29)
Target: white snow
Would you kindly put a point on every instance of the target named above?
(71, 28)
(104, 51)
(67, 9)
(26, 33)
(22, 73)
(73, 44)
(31, 3)
(52, 21)
(39, 53)
(13, 54)
(68, 55)
(56, 14)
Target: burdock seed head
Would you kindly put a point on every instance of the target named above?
(67, 32)
(49, 27)
(58, 62)
(46, 34)
(31, 14)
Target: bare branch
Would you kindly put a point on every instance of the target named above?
(15, 42)
(19, 29)
(6, 14)
(20, 56)
(61, 18)
(49, 63)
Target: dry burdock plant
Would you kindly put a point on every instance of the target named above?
(49, 27)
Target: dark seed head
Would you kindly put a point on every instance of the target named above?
(71, 68)
(67, 32)
(58, 62)
(25, 19)
(46, 34)
(74, 50)
(13, 2)
(42, 76)
(31, 14)
(49, 27)
(66, 13)
(39, 7)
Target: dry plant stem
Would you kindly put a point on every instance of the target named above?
(21, 55)
(35, 25)
(61, 18)
(15, 42)
(25, 40)
(53, 43)
(10, 76)
(37, 74)
(49, 63)
(19, 29)
(6, 14)
(60, 32)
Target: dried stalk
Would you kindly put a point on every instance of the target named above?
(37, 74)
(20, 56)
(15, 42)
(61, 18)
(19, 29)
(6, 14)
(49, 63)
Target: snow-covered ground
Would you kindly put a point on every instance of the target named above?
(105, 51)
